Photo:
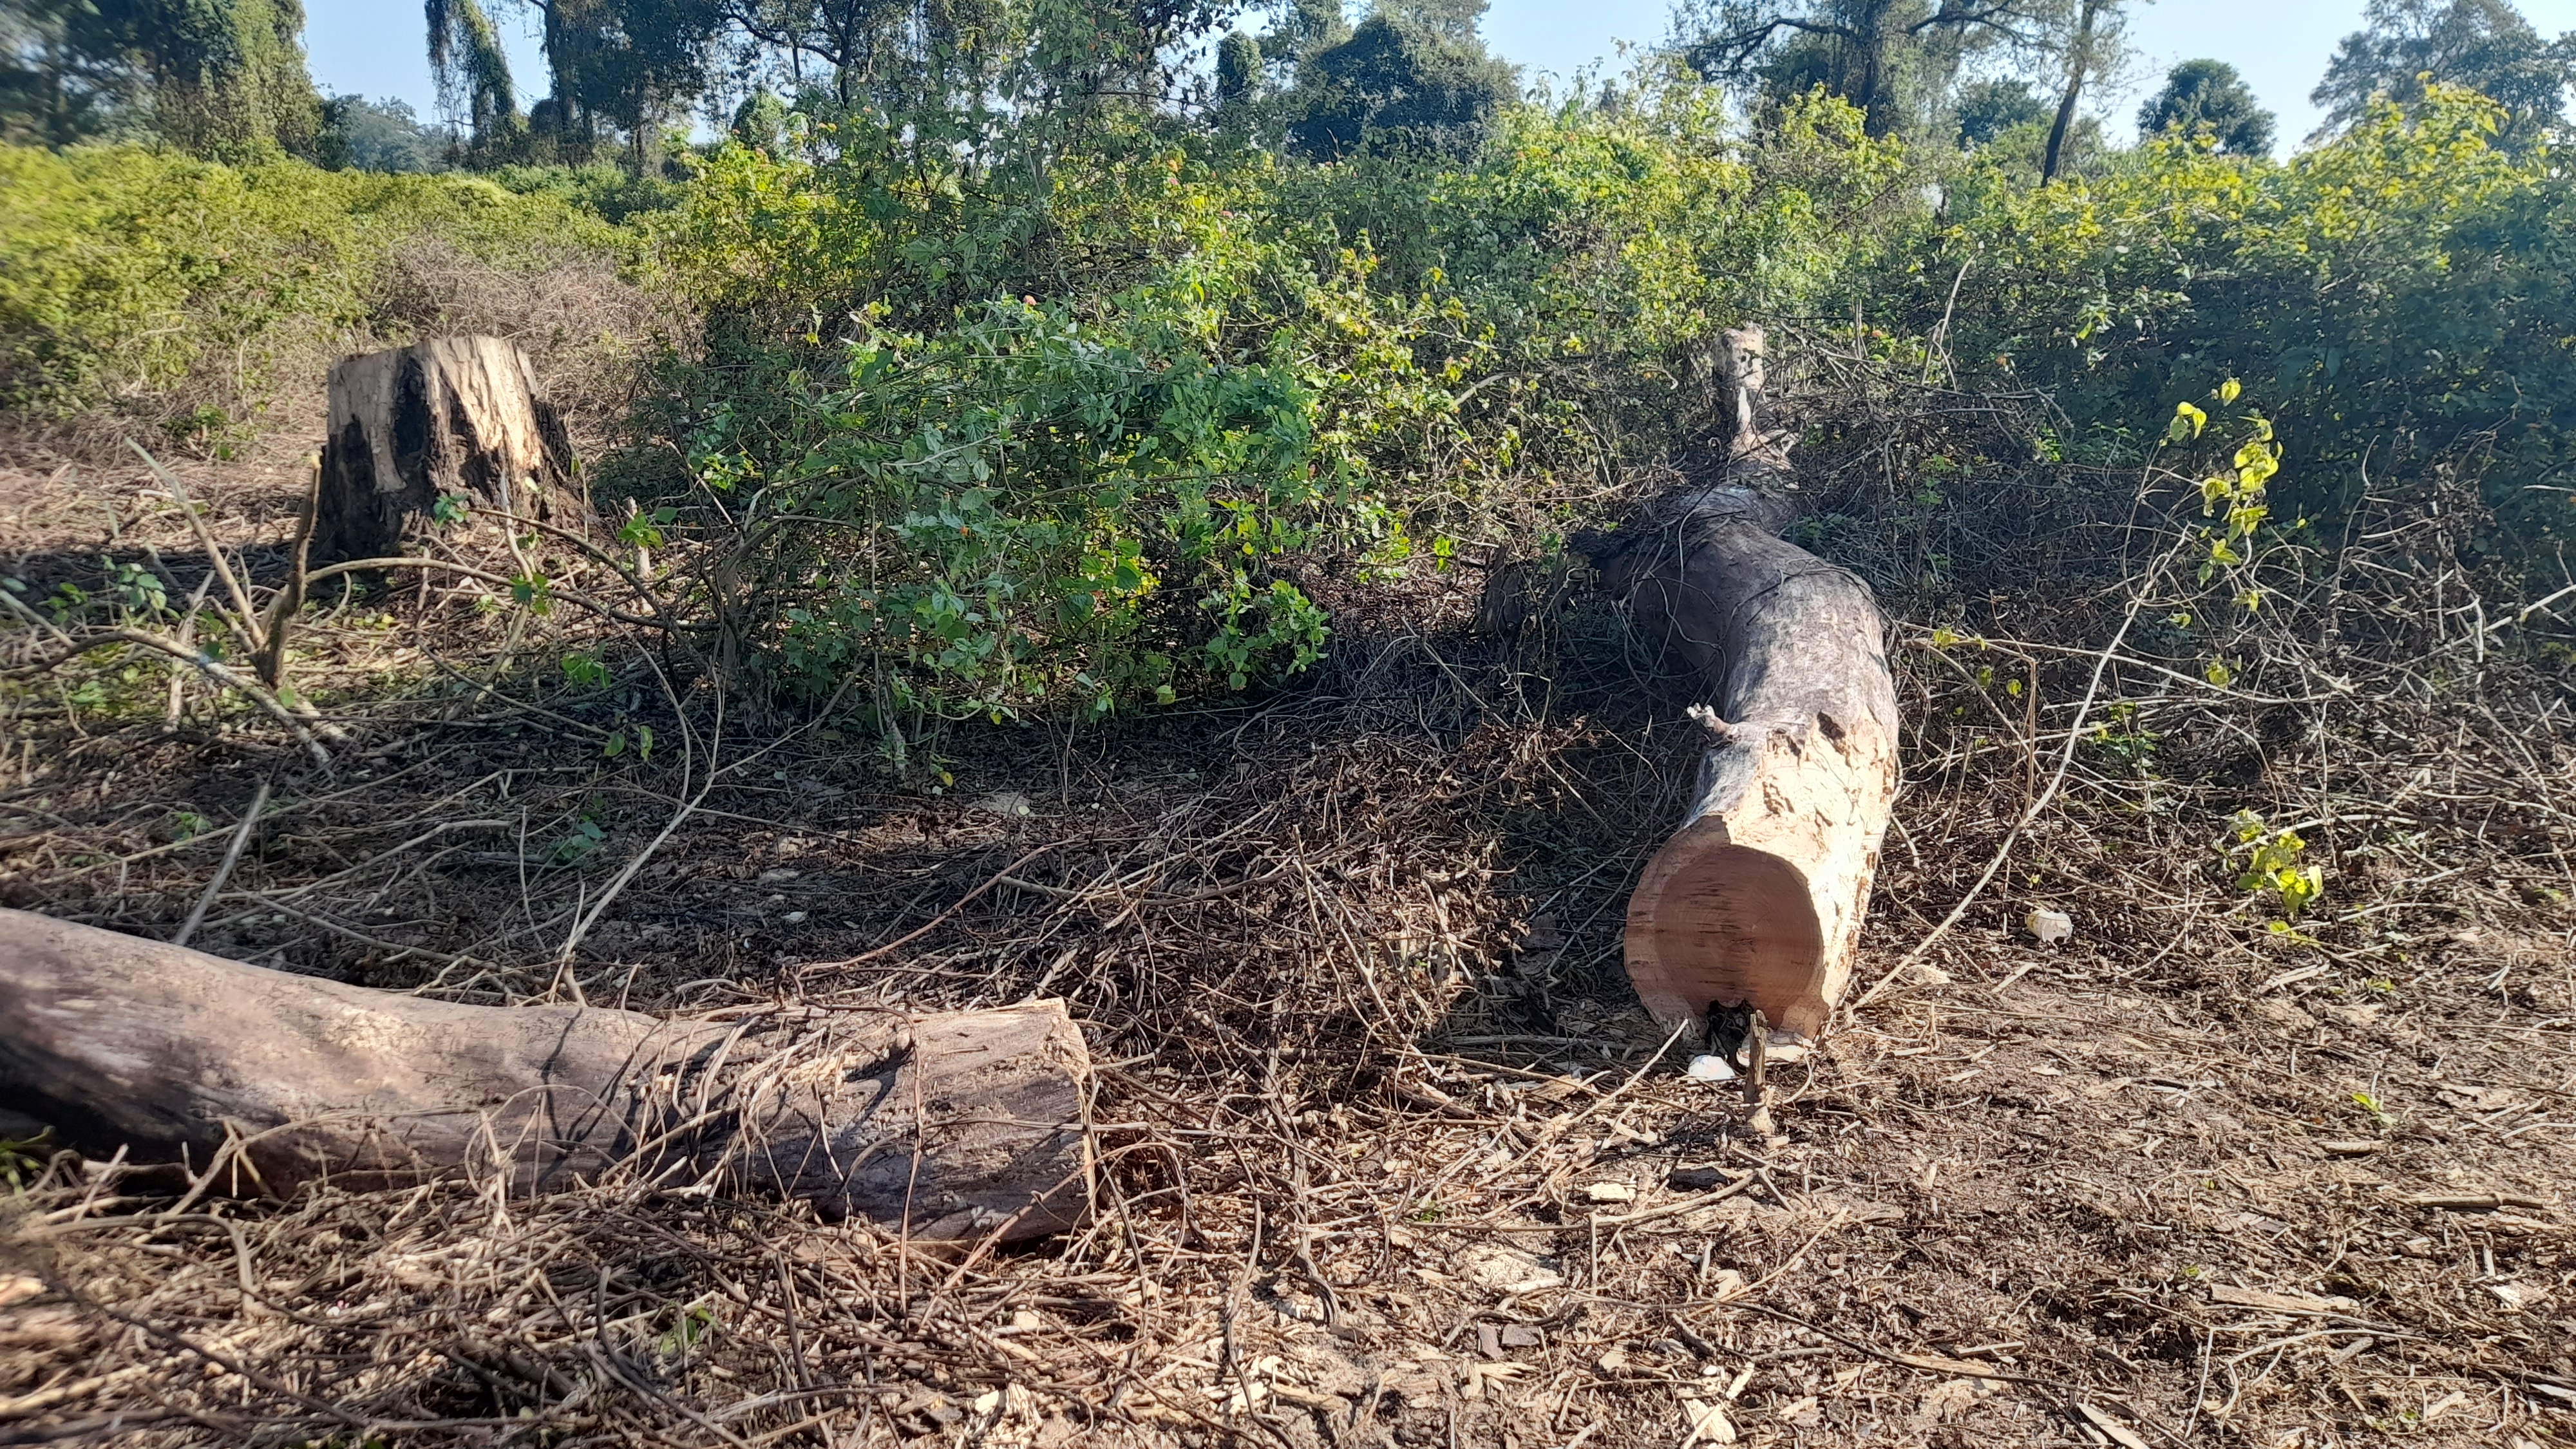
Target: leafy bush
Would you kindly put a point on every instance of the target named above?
(2401, 293)
(176, 290)
(1090, 422)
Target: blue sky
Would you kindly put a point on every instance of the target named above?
(376, 47)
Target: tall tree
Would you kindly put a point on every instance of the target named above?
(2208, 96)
(1861, 49)
(1400, 81)
(68, 74)
(2093, 41)
(473, 74)
(220, 78)
(2485, 44)
(1238, 64)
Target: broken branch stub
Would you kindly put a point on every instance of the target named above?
(453, 415)
(951, 1125)
(1757, 900)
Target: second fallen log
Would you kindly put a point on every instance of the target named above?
(941, 1126)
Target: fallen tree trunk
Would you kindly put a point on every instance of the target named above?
(945, 1126)
(1756, 901)
(453, 415)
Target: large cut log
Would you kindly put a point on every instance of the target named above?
(1756, 901)
(944, 1126)
(453, 415)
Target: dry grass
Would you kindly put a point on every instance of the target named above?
(1390, 1154)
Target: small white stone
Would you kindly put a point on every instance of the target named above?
(794, 918)
(2050, 927)
(1711, 1069)
(1610, 1192)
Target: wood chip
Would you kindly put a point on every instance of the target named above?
(2274, 1302)
(2119, 1433)
(2470, 1202)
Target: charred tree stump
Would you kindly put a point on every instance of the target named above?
(955, 1125)
(454, 415)
(1756, 901)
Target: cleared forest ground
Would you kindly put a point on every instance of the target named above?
(1388, 1153)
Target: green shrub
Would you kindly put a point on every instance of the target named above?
(175, 290)
(1088, 421)
(2402, 293)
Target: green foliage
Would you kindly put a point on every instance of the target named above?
(1402, 82)
(125, 274)
(1238, 65)
(2400, 295)
(1006, 477)
(2274, 863)
(2207, 96)
(2483, 45)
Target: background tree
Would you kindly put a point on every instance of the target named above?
(1455, 21)
(68, 74)
(1401, 81)
(2092, 47)
(473, 75)
(2483, 44)
(1893, 59)
(2208, 95)
(1988, 108)
(384, 135)
(1238, 65)
(218, 78)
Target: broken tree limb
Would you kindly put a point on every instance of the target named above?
(1756, 901)
(453, 415)
(953, 1125)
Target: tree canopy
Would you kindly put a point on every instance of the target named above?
(2485, 45)
(2208, 96)
(216, 77)
(1399, 79)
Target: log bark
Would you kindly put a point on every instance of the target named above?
(451, 415)
(954, 1125)
(1757, 900)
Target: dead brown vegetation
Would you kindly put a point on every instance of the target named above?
(1390, 1155)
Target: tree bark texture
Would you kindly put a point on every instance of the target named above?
(1757, 899)
(954, 1125)
(454, 415)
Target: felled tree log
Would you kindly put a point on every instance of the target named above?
(453, 415)
(1756, 901)
(946, 1126)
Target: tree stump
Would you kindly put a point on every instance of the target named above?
(946, 1126)
(1757, 900)
(453, 415)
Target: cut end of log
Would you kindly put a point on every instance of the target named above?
(1720, 925)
